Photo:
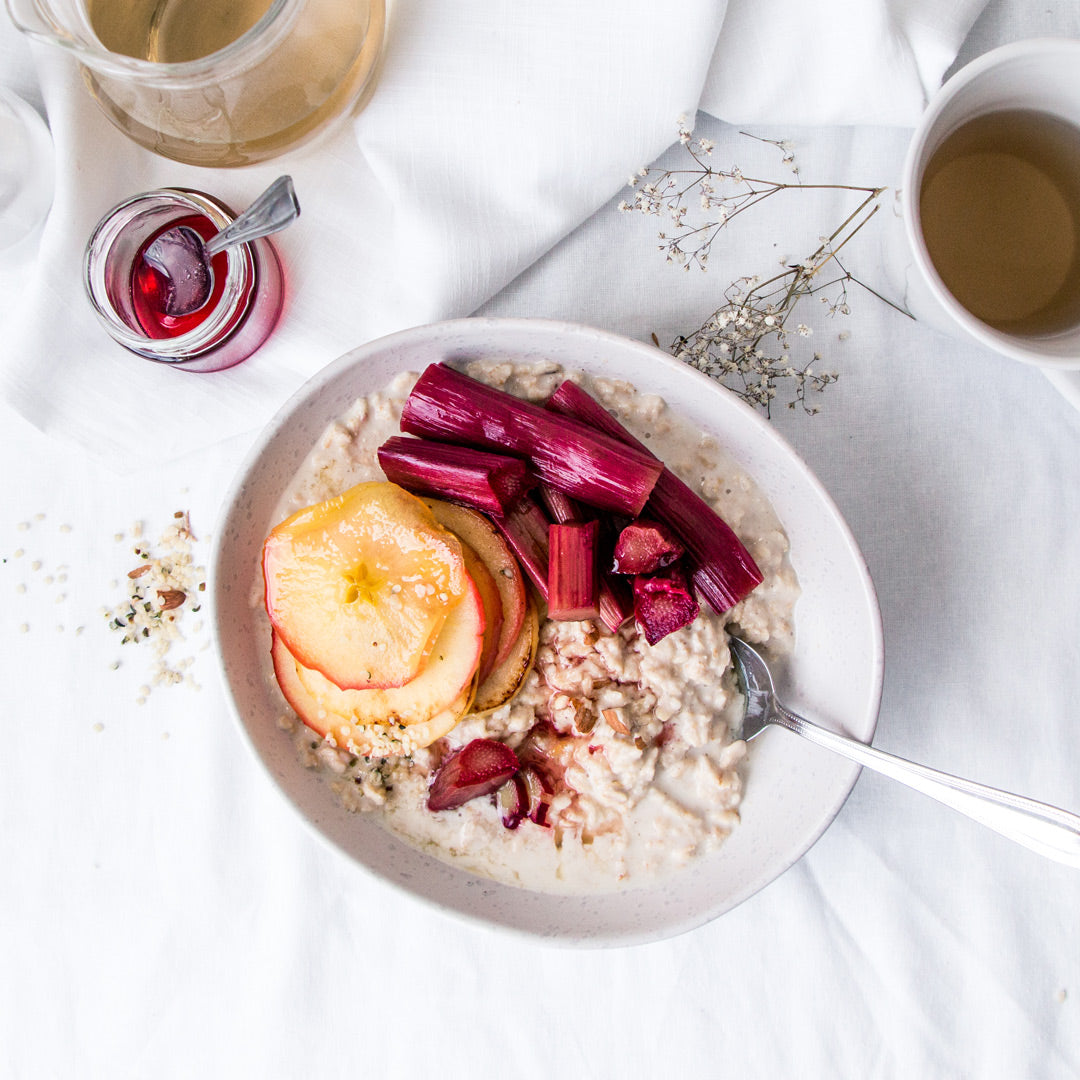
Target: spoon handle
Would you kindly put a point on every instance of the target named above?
(275, 208)
(1042, 828)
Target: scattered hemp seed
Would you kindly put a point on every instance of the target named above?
(158, 588)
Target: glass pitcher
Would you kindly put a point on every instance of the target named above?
(216, 82)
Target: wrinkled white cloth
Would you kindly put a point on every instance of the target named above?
(494, 131)
(164, 913)
(837, 62)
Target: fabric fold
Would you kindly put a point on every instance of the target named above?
(835, 62)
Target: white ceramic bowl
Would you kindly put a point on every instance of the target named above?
(793, 791)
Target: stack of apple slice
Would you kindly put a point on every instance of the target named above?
(394, 617)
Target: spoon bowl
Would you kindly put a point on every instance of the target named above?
(1048, 830)
(183, 259)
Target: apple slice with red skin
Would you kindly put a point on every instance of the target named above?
(344, 730)
(478, 531)
(507, 678)
(359, 586)
(491, 600)
(451, 667)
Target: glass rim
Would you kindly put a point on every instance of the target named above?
(249, 48)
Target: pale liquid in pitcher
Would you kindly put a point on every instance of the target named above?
(172, 31)
(243, 111)
(1000, 211)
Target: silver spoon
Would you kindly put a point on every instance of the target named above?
(1045, 829)
(183, 258)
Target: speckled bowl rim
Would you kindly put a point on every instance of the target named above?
(793, 790)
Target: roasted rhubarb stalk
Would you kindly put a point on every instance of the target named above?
(525, 528)
(724, 571)
(574, 457)
(477, 478)
(572, 577)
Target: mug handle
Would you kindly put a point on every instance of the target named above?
(1067, 382)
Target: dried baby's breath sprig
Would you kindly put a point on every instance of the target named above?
(746, 343)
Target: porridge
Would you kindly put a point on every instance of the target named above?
(629, 751)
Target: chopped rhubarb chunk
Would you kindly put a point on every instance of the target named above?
(461, 474)
(615, 598)
(572, 579)
(512, 799)
(572, 456)
(539, 794)
(477, 768)
(561, 508)
(663, 603)
(616, 601)
(645, 546)
(725, 572)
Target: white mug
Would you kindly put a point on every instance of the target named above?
(1041, 75)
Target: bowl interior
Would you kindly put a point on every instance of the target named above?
(793, 790)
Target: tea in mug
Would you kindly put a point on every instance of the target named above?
(1000, 210)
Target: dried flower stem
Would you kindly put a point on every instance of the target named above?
(745, 342)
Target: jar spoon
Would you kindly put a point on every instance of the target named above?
(183, 258)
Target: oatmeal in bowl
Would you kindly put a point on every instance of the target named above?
(540, 727)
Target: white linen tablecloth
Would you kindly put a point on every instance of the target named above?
(163, 913)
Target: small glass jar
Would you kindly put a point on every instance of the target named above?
(244, 304)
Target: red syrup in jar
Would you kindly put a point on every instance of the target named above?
(129, 296)
(149, 287)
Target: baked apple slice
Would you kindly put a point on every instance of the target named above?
(478, 531)
(450, 669)
(491, 600)
(507, 678)
(359, 587)
(374, 739)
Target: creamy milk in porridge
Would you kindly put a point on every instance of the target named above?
(640, 798)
